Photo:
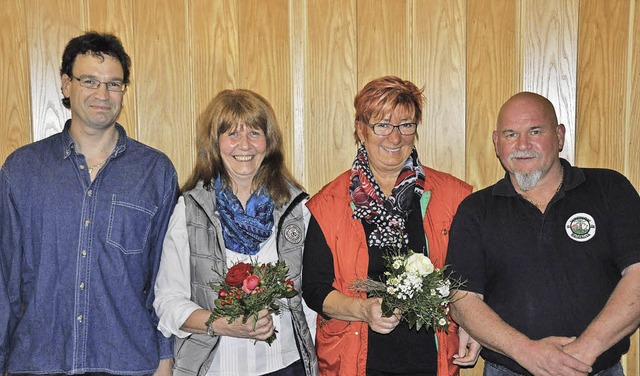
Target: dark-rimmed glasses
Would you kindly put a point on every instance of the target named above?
(92, 83)
(385, 129)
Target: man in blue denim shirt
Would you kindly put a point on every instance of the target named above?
(83, 217)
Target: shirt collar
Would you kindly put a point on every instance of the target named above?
(68, 144)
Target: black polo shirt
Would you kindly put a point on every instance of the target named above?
(548, 274)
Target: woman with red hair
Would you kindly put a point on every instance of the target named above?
(387, 200)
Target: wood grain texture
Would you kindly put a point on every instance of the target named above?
(50, 25)
(214, 49)
(265, 61)
(439, 65)
(298, 37)
(116, 17)
(15, 117)
(631, 360)
(602, 63)
(632, 134)
(163, 80)
(383, 39)
(492, 77)
(550, 49)
(331, 87)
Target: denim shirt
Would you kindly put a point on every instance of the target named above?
(78, 259)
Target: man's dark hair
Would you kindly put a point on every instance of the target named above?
(96, 44)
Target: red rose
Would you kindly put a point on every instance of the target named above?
(237, 274)
(250, 283)
(222, 293)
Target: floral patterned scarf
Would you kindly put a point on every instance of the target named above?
(387, 214)
(244, 230)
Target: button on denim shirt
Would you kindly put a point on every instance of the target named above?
(78, 259)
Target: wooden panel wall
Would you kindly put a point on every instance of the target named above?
(310, 57)
(15, 99)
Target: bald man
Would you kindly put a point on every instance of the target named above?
(550, 255)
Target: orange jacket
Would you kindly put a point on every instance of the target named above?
(342, 345)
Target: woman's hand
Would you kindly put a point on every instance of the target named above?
(259, 329)
(372, 313)
(468, 350)
(348, 308)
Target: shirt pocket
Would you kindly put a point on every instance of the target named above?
(129, 223)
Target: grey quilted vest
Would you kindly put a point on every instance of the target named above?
(193, 355)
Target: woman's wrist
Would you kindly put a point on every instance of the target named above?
(210, 331)
(209, 325)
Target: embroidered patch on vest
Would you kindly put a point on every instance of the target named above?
(581, 227)
(293, 234)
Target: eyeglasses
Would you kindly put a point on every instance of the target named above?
(385, 129)
(92, 83)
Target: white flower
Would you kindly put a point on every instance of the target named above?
(420, 264)
(393, 281)
(397, 264)
(442, 322)
(443, 289)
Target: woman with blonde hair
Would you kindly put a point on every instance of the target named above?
(233, 207)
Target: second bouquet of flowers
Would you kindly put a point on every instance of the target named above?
(414, 286)
(248, 288)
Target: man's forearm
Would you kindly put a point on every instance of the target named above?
(619, 317)
(540, 357)
(484, 325)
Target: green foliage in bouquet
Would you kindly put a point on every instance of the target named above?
(420, 291)
(248, 288)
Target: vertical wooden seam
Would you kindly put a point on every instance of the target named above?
(133, 74)
(465, 91)
(239, 78)
(32, 132)
(87, 17)
(466, 94)
(192, 103)
(575, 87)
(297, 35)
(628, 89)
(519, 40)
(410, 41)
(356, 63)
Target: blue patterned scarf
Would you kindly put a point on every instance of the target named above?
(244, 230)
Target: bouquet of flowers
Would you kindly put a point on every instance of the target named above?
(415, 287)
(248, 288)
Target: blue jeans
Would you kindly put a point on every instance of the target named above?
(491, 369)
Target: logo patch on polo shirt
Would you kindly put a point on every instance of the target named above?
(581, 227)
